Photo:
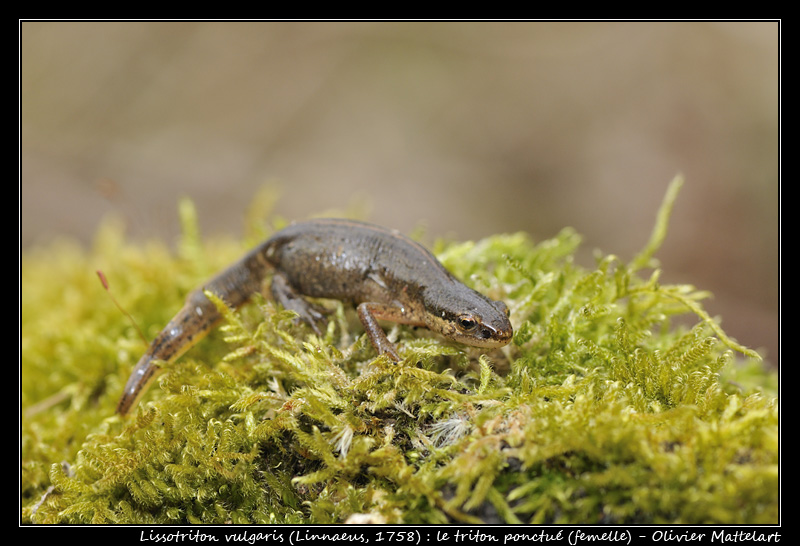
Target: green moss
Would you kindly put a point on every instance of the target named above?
(619, 401)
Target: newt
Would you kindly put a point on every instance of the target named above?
(384, 274)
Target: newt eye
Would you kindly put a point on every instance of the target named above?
(467, 323)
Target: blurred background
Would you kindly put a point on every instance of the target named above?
(464, 128)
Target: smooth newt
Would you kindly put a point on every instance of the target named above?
(386, 275)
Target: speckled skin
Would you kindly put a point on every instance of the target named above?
(383, 273)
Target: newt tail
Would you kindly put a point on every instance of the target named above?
(194, 321)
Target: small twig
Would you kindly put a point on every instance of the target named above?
(47, 403)
(104, 281)
(68, 471)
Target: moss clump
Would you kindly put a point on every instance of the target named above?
(619, 400)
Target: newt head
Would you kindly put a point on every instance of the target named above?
(471, 319)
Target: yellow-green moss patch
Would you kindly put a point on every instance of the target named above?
(606, 408)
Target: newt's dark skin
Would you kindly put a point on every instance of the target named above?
(383, 273)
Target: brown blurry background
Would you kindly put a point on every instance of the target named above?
(466, 128)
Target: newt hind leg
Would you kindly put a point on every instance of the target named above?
(368, 313)
(285, 294)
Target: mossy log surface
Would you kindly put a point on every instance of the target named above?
(619, 400)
